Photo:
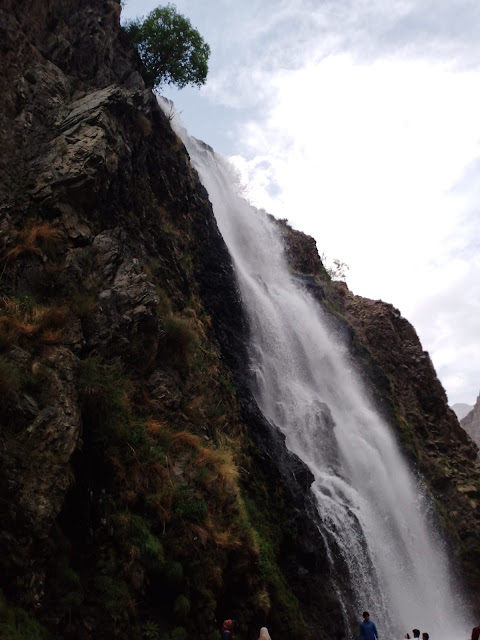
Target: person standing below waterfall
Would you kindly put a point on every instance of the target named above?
(227, 630)
(368, 630)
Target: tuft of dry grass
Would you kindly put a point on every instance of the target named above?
(221, 462)
(164, 306)
(144, 124)
(195, 409)
(156, 429)
(263, 601)
(222, 538)
(199, 534)
(144, 479)
(52, 336)
(53, 317)
(180, 338)
(23, 318)
(185, 440)
(37, 238)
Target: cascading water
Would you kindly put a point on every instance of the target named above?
(375, 517)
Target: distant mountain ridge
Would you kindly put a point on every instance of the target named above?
(461, 409)
(471, 422)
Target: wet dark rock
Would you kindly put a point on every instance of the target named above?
(165, 389)
(124, 321)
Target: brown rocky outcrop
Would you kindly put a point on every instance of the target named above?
(471, 422)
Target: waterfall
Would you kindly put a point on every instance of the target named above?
(376, 520)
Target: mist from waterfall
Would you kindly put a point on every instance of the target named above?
(376, 521)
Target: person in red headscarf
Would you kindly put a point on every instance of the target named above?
(227, 630)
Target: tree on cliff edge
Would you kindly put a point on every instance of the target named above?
(171, 50)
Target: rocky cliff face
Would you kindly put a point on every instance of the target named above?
(471, 422)
(142, 494)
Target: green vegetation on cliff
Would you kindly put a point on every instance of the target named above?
(171, 50)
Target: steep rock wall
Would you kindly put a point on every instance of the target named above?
(141, 495)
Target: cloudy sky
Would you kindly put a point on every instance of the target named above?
(359, 121)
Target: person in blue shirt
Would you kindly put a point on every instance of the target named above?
(368, 630)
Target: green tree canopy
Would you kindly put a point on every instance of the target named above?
(172, 51)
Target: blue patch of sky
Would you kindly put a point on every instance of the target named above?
(213, 123)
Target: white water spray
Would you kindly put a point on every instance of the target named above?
(375, 517)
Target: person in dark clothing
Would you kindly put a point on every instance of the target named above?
(368, 630)
(416, 633)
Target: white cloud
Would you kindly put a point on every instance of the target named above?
(450, 320)
(365, 158)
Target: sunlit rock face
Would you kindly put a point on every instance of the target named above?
(471, 422)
